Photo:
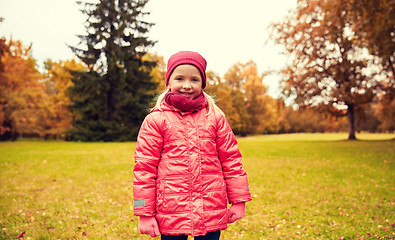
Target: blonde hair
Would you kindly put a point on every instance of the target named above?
(210, 100)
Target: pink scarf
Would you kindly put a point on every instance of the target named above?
(185, 104)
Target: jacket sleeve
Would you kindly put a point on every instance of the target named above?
(232, 168)
(147, 154)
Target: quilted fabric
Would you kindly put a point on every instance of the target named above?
(187, 168)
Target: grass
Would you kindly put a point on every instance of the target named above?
(307, 186)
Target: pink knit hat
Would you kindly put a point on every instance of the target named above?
(187, 57)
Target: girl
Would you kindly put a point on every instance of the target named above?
(187, 161)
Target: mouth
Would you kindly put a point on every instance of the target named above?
(185, 94)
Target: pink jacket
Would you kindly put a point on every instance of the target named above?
(187, 167)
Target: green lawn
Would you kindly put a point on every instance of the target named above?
(307, 186)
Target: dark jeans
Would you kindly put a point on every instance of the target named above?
(209, 236)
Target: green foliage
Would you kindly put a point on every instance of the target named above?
(304, 186)
(110, 100)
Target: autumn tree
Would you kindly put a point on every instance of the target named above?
(373, 21)
(374, 24)
(111, 98)
(25, 109)
(58, 81)
(260, 110)
(231, 101)
(234, 81)
(234, 76)
(385, 112)
(157, 75)
(282, 112)
(309, 120)
(261, 107)
(329, 68)
(4, 125)
(222, 94)
(241, 119)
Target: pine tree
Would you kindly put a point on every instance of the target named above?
(110, 100)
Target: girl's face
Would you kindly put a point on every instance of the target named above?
(185, 80)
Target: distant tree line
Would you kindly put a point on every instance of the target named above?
(341, 77)
(35, 104)
(242, 95)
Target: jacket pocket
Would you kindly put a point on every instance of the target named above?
(175, 204)
(173, 196)
(214, 192)
(213, 183)
(214, 200)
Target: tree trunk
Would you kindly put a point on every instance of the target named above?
(392, 68)
(351, 122)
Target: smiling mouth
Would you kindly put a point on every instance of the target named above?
(185, 94)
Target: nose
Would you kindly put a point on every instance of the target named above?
(186, 85)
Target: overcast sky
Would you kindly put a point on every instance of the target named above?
(223, 31)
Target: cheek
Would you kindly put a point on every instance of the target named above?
(198, 87)
(173, 89)
(172, 86)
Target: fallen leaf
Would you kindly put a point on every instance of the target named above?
(21, 235)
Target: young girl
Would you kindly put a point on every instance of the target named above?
(187, 161)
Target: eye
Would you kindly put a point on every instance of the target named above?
(195, 80)
(179, 78)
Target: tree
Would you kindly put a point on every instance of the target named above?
(242, 119)
(25, 109)
(375, 27)
(310, 120)
(258, 110)
(231, 101)
(158, 73)
(260, 107)
(59, 80)
(222, 94)
(235, 80)
(329, 68)
(4, 126)
(111, 98)
(385, 112)
(366, 120)
(374, 24)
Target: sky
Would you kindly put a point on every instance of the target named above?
(225, 32)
